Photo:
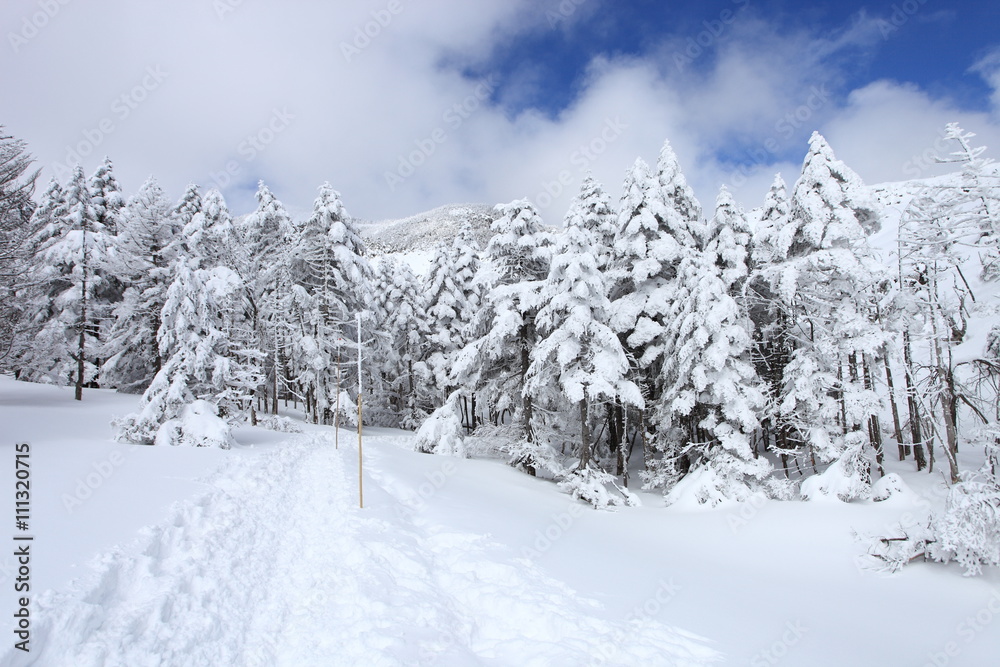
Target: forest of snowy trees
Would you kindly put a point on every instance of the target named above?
(715, 353)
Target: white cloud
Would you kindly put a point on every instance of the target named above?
(362, 90)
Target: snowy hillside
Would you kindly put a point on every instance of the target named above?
(425, 230)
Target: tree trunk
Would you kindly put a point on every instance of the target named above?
(874, 427)
(896, 429)
(527, 416)
(913, 408)
(584, 435)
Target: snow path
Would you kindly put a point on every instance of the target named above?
(276, 565)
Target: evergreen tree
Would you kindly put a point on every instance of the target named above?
(200, 364)
(684, 218)
(644, 266)
(106, 197)
(518, 257)
(69, 281)
(267, 246)
(577, 351)
(830, 286)
(443, 309)
(592, 209)
(332, 286)
(397, 314)
(710, 406)
(147, 245)
(17, 226)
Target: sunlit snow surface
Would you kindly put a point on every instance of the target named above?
(260, 556)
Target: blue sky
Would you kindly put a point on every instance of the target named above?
(404, 106)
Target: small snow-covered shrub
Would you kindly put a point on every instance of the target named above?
(442, 433)
(591, 485)
(905, 543)
(969, 530)
(199, 425)
(535, 458)
(279, 424)
(846, 479)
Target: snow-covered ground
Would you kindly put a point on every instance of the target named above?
(260, 556)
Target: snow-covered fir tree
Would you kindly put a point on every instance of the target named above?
(199, 362)
(592, 209)
(578, 359)
(398, 315)
(495, 365)
(69, 296)
(830, 285)
(332, 286)
(266, 251)
(146, 246)
(684, 220)
(106, 196)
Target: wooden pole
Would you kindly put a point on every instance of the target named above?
(361, 494)
(336, 416)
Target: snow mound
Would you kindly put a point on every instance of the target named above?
(198, 425)
(845, 480)
(891, 486)
(441, 433)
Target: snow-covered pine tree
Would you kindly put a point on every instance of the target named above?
(578, 361)
(267, 235)
(830, 285)
(712, 398)
(397, 313)
(467, 265)
(145, 248)
(685, 223)
(728, 240)
(517, 262)
(767, 246)
(443, 310)
(592, 209)
(771, 328)
(199, 362)
(332, 286)
(189, 204)
(17, 184)
(644, 265)
(106, 196)
(69, 302)
(210, 234)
